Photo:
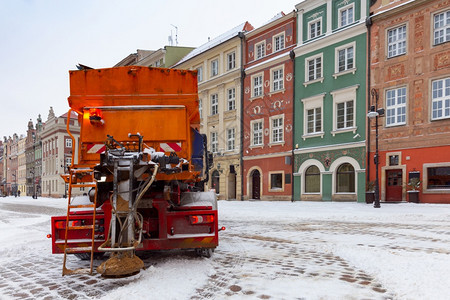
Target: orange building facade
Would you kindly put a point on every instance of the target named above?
(409, 61)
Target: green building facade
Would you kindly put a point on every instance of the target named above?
(330, 101)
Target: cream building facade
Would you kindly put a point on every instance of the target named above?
(22, 165)
(219, 67)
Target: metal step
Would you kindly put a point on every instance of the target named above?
(82, 206)
(80, 227)
(78, 249)
(84, 184)
(76, 271)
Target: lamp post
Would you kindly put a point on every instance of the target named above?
(374, 113)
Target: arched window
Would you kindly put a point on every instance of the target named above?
(345, 179)
(312, 180)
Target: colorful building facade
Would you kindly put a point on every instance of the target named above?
(330, 101)
(410, 74)
(268, 110)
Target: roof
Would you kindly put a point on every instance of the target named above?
(217, 41)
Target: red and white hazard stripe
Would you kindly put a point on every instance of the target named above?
(95, 148)
(170, 147)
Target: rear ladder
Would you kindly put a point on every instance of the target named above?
(80, 177)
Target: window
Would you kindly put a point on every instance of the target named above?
(396, 41)
(344, 115)
(344, 101)
(276, 181)
(440, 99)
(200, 107)
(257, 132)
(314, 120)
(346, 58)
(214, 104)
(345, 179)
(278, 42)
(231, 61)
(68, 161)
(314, 28)
(441, 27)
(214, 67)
(277, 80)
(231, 135)
(438, 177)
(68, 143)
(231, 99)
(346, 16)
(396, 106)
(276, 129)
(214, 142)
(394, 160)
(260, 50)
(314, 68)
(257, 85)
(200, 74)
(312, 180)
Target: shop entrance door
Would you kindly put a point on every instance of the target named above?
(394, 185)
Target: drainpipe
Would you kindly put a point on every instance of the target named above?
(369, 26)
(242, 37)
(292, 56)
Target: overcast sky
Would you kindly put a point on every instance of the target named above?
(41, 40)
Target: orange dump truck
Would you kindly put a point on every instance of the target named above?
(143, 165)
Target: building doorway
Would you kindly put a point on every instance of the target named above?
(232, 185)
(215, 181)
(256, 185)
(394, 185)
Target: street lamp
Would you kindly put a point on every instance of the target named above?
(374, 113)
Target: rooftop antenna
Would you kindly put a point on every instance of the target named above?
(170, 39)
(176, 34)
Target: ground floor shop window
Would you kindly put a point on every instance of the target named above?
(345, 179)
(312, 180)
(276, 181)
(438, 177)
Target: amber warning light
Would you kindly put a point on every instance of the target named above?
(96, 117)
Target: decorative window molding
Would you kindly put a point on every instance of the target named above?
(214, 67)
(214, 142)
(200, 108)
(260, 50)
(441, 27)
(314, 69)
(277, 79)
(276, 130)
(257, 85)
(396, 99)
(346, 15)
(231, 99)
(440, 99)
(276, 181)
(231, 138)
(214, 104)
(257, 132)
(231, 60)
(396, 41)
(278, 42)
(199, 73)
(344, 110)
(345, 59)
(312, 121)
(315, 28)
(436, 178)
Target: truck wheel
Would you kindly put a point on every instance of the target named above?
(87, 256)
(204, 252)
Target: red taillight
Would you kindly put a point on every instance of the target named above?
(202, 219)
(96, 117)
(60, 225)
(49, 235)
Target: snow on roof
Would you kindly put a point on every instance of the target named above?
(276, 17)
(213, 43)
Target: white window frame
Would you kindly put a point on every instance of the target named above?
(231, 60)
(397, 46)
(282, 181)
(426, 189)
(276, 79)
(278, 42)
(340, 96)
(68, 143)
(214, 104)
(199, 73)
(440, 104)
(260, 46)
(259, 87)
(214, 67)
(308, 104)
(347, 69)
(342, 10)
(279, 130)
(214, 142)
(231, 139)
(395, 107)
(443, 38)
(316, 34)
(260, 133)
(200, 107)
(231, 99)
(316, 78)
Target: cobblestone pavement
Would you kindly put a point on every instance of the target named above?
(247, 263)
